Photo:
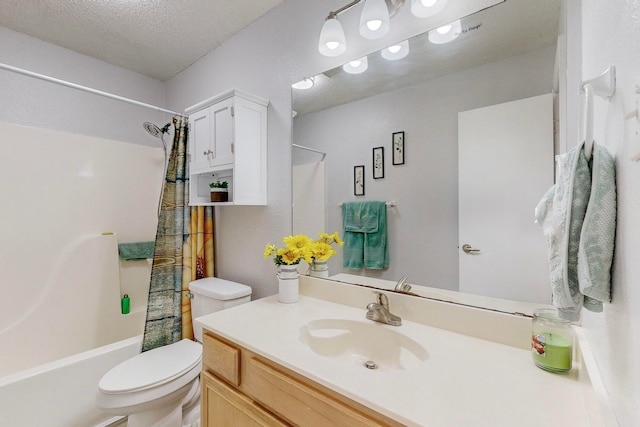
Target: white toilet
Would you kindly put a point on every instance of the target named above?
(161, 387)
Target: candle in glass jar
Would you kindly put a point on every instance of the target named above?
(551, 351)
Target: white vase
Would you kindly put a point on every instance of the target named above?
(319, 269)
(288, 284)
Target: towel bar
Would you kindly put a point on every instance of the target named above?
(390, 204)
(604, 86)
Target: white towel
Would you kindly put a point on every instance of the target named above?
(578, 216)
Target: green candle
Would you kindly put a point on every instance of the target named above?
(551, 352)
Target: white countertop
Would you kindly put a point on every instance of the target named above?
(465, 382)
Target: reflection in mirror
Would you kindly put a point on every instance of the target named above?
(477, 117)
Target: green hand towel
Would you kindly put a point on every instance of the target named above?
(365, 235)
(136, 250)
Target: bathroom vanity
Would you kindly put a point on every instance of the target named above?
(242, 388)
(272, 364)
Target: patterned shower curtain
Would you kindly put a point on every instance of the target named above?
(183, 251)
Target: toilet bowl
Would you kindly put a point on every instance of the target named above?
(160, 387)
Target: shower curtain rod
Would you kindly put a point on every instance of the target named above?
(85, 89)
(310, 149)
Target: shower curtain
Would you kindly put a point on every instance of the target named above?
(183, 251)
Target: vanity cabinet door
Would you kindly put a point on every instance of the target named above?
(300, 403)
(224, 407)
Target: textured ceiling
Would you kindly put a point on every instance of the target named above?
(157, 38)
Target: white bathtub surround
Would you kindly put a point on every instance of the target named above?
(60, 275)
(41, 396)
(479, 369)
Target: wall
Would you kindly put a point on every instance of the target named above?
(425, 221)
(611, 36)
(32, 102)
(265, 59)
(68, 173)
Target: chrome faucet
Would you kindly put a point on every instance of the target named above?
(402, 285)
(379, 311)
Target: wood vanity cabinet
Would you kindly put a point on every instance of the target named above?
(241, 388)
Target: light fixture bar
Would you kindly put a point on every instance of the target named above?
(344, 8)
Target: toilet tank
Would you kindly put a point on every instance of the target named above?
(212, 294)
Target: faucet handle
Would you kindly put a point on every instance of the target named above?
(382, 299)
(402, 285)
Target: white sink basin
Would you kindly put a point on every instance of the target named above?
(361, 342)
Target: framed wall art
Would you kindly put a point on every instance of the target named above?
(397, 144)
(358, 180)
(378, 162)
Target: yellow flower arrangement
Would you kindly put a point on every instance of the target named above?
(296, 248)
(301, 247)
(321, 249)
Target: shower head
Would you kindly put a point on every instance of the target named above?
(154, 130)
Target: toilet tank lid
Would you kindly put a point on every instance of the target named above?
(220, 289)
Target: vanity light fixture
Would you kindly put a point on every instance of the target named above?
(396, 51)
(446, 33)
(426, 8)
(306, 83)
(356, 66)
(374, 21)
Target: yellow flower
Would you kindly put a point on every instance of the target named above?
(269, 250)
(322, 251)
(326, 237)
(336, 238)
(298, 242)
(288, 255)
(300, 247)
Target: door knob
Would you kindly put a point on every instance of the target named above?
(466, 248)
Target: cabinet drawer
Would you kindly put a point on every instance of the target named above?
(298, 402)
(222, 359)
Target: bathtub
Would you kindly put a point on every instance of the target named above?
(62, 393)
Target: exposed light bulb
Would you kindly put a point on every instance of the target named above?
(395, 48)
(332, 45)
(444, 29)
(428, 3)
(374, 24)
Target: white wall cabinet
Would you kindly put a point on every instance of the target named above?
(228, 142)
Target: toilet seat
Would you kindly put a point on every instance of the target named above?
(152, 368)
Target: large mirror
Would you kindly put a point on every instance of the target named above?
(477, 120)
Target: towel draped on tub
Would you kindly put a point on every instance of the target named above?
(578, 218)
(136, 250)
(365, 235)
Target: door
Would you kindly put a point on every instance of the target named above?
(222, 132)
(505, 165)
(200, 139)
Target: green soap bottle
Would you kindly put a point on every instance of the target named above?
(125, 304)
